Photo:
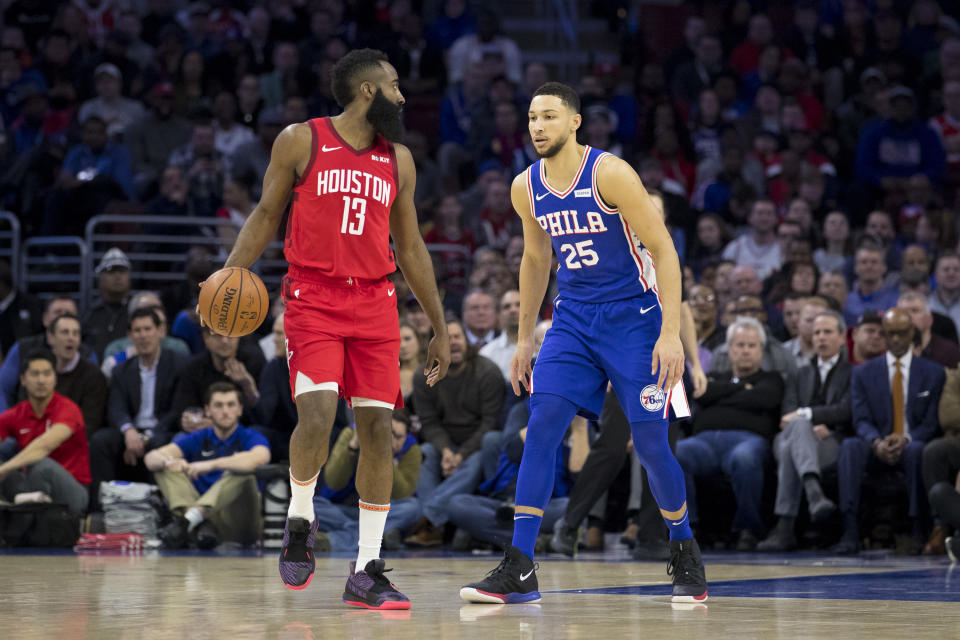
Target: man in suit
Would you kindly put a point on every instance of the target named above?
(141, 395)
(895, 398)
(816, 416)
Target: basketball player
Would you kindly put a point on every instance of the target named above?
(352, 189)
(614, 319)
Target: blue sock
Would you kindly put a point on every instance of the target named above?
(550, 416)
(667, 483)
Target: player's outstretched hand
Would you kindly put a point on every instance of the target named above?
(668, 358)
(520, 369)
(197, 310)
(438, 355)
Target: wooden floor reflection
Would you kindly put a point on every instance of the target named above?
(153, 596)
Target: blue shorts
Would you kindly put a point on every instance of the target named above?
(592, 343)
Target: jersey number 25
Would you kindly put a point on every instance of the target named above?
(579, 255)
(353, 207)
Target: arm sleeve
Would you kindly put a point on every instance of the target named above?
(491, 387)
(406, 473)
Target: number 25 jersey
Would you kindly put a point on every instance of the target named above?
(601, 259)
(339, 225)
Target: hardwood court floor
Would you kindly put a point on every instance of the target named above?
(239, 596)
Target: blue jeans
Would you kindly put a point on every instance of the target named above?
(477, 516)
(8, 449)
(739, 454)
(435, 492)
(342, 523)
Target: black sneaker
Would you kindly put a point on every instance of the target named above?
(174, 534)
(514, 581)
(205, 536)
(370, 589)
(686, 568)
(296, 553)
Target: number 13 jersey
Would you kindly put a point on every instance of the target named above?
(601, 259)
(339, 225)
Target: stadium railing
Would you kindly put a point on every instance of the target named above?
(52, 265)
(10, 243)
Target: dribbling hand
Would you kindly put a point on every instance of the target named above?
(438, 355)
(668, 358)
(520, 369)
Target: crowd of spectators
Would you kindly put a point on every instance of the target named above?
(807, 158)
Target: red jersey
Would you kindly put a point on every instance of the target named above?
(947, 127)
(340, 222)
(73, 454)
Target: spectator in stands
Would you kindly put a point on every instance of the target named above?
(450, 228)
(893, 150)
(123, 348)
(77, 378)
(459, 416)
(833, 286)
(116, 111)
(455, 21)
(204, 168)
(816, 417)
(867, 341)
(946, 298)
(280, 82)
(107, 318)
(238, 204)
(895, 400)
(50, 435)
(869, 293)
(737, 417)
(703, 307)
(499, 54)
(458, 112)
(20, 313)
(773, 356)
(335, 505)
(254, 156)
(759, 248)
(926, 343)
(429, 176)
(697, 74)
(276, 412)
(152, 138)
(793, 304)
(836, 243)
(487, 516)
(941, 471)
(93, 173)
(223, 360)
(412, 357)
(228, 134)
(745, 282)
(479, 318)
(947, 127)
(500, 350)
(140, 406)
(205, 476)
(497, 222)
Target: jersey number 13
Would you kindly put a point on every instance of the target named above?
(353, 215)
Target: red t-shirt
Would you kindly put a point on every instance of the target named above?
(340, 222)
(73, 454)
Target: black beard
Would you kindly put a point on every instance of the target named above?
(386, 117)
(549, 152)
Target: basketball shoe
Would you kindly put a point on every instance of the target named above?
(370, 589)
(296, 553)
(514, 581)
(686, 568)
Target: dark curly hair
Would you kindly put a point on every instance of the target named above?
(348, 67)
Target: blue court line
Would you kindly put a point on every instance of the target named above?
(925, 585)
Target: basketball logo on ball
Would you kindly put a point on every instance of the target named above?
(233, 302)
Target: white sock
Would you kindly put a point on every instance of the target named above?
(194, 517)
(373, 517)
(301, 497)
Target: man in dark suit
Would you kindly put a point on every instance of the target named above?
(816, 417)
(895, 398)
(141, 396)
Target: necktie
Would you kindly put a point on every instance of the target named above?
(897, 392)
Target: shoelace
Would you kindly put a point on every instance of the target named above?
(500, 568)
(379, 578)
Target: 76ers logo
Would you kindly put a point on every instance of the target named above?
(652, 398)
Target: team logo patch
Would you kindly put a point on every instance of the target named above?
(583, 193)
(652, 398)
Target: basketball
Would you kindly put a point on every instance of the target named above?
(233, 302)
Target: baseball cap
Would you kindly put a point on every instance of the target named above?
(872, 73)
(108, 68)
(901, 91)
(113, 259)
(869, 317)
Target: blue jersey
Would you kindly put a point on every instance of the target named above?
(601, 259)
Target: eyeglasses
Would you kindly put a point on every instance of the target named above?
(701, 299)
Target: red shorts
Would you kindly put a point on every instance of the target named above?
(343, 330)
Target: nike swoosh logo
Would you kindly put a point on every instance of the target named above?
(325, 148)
(207, 454)
(523, 578)
(541, 196)
(391, 292)
(643, 311)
